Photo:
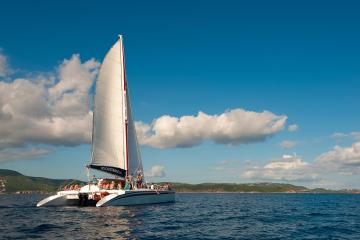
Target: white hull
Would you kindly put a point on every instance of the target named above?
(64, 198)
(115, 198)
(137, 197)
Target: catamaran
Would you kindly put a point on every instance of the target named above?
(115, 148)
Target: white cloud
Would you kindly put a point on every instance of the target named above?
(222, 164)
(287, 168)
(4, 67)
(293, 128)
(156, 171)
(48, 108)
(340, 160)
(327, 184)
(236, 126)
(344, 160)
(52, 109)
(340, 136)
(10, 154)
(355, 135)
(229, 166)
(286, 144)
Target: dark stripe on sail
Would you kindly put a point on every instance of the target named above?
(112, 170)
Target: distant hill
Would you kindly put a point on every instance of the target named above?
(244, 187)
(12, 181)
(265, 187)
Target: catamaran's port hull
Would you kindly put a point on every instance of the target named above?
(59, 200)
(122, 198)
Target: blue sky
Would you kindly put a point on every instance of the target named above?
(293, 58)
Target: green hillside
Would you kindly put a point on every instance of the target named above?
(15, 181)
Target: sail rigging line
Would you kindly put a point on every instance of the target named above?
(139, 167)
(92, 136)
(127, 155)
(88, 167)
(139, 162)
(93, 127)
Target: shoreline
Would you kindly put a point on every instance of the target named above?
(276, 192)
(206, 192)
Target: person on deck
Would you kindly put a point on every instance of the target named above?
(127, 184)
(94, 180)
(121, 185)
(139, 180)
(100, 183)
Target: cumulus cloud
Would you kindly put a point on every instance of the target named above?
(340, 160)
(156, 171)
(293, 128)
(344, 160)
(48, 108)
(52, 109)
(287, 168)
(286, 144)
(236, 126)
(4, 67)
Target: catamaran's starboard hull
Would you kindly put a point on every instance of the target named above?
(137, 198)
(120, 198)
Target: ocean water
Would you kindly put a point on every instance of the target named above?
(193, 216)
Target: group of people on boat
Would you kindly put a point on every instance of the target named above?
(130, 183)
(164, 187)
(71, 187)
(112, 185)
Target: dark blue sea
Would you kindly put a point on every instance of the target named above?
(193, 216)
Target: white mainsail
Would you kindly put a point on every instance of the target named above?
(114, 144)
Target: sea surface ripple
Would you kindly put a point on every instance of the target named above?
(193, 216)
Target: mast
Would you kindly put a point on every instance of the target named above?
(132, 151)
(125, 107)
